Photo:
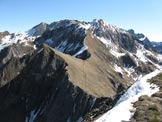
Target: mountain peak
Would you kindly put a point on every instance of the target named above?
(100, 22)
(139, 36)
(38, 29)
(131, 31)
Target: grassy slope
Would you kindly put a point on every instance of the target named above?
(94, 74)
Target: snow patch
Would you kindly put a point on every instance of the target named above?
(80, 119)
(116, 54)
(15, 38)
(140, 55)
(5, 42)
(105, 41)
(93, 102)
(49, 41)
(113, 48)
(129, 70)
(118, 69)
(85, 26)
(106, 26)
(64, 45)
(142, 39)
(32, 116)
(61, 47)
(124, 104)
(84, 48)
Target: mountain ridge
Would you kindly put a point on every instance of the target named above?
(98, 63)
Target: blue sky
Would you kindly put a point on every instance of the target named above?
(144, 16)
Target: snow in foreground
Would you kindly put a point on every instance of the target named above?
(121, 111)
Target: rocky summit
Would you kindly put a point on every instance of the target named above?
(76, 71)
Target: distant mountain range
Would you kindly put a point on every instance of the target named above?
(73, 71)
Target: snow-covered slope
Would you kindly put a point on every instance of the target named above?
(123, 109)
(15, 38)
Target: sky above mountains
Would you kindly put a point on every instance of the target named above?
(144, 16)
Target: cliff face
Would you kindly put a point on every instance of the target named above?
(38, 89)
(10, 63)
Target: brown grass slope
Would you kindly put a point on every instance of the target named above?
(95, 75)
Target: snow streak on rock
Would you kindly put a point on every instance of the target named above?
(84, 48)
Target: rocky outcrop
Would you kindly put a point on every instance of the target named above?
(67, 39)
(148, 109)
(142, 39)
(10, 63)
(117, 35)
